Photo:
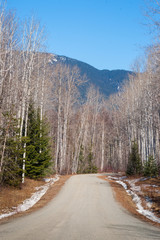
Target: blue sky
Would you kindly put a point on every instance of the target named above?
(107, 34)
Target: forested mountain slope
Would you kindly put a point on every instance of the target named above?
(107, 81)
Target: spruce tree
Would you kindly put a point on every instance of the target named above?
(134, 166)
(91, 168)
(81, 162)
(12, 153)
(151, 167)
(38, 149)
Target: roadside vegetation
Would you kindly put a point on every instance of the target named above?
(149, 168)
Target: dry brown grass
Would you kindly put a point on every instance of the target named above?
(12, 197)
(151, 189)
(126, 201)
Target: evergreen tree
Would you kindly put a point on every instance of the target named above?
(11, 151)
(91, 168)
(151, 167)
(38, 149)
(134, 163)
(81, 163)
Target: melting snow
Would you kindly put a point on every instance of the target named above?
(123, 184)
(113, 178)
(150, 215)
(133, 186)
(28, 203)
(148, 202)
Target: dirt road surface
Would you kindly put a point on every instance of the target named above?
(85, 209)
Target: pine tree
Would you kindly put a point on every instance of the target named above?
(134, 163)
(38, 149)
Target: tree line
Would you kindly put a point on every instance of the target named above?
(111, 134)
(23, 82)
(46, 126)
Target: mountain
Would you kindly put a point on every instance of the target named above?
(107, 81)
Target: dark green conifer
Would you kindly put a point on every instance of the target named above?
(91, 168)
(38, 149)
(151, 167)
(134, 166)
(81, 163)
(12, 153)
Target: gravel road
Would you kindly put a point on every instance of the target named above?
(85, 209)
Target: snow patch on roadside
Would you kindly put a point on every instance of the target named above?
(113, 178)
(148, 214)
(134, 188)
(116, 178)
(148, 185)
(28, 203)
(123, 184)
(148, 202)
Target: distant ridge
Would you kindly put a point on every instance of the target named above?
(108, 81)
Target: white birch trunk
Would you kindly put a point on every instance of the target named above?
(103, 146)
(59, 127)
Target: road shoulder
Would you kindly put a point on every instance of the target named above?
(126, 201)
(50, 194)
